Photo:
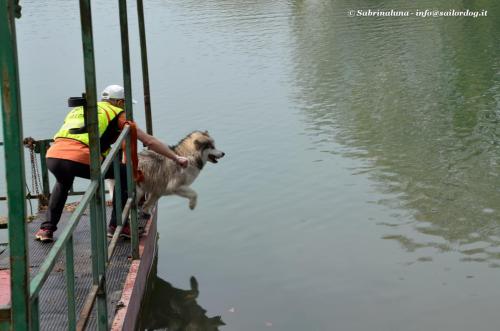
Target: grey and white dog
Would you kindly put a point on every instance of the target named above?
(163, 176)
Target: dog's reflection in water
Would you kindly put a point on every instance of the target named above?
(173, 309)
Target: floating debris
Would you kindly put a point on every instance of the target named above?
(4, 221)
(71, 206)
(68, 207)
(425, 259)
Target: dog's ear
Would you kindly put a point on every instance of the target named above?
(205, 133)
(194, 283)
(198, 144)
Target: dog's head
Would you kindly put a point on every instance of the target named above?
(205, 145)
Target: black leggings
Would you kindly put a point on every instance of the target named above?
(65, 172)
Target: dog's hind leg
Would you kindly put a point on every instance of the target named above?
(187, 192)
(140, 199)
(140, 195)
(150, 202)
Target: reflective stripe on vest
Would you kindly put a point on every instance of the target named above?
(74, 123)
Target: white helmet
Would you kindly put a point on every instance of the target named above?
(114, 92)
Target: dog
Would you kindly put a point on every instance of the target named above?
(163, 176)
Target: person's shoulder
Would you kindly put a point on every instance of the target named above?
(102, 103)
(122, 119)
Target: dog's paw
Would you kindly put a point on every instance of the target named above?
(149, 204)
(146, 209)
(192, 203)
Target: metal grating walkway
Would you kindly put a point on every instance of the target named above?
(53, 301)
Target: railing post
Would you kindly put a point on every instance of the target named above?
(43, 146)
(118, 191)
(35, 314)
(4, 324)
(70, 285)
(145, 70)
(97, 218)
(14, 165)
(128, 108)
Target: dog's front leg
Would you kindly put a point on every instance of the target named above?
(110, 185)
(187, 192)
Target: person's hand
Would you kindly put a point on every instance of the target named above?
(182, 161)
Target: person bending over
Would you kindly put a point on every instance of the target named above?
(69, 156)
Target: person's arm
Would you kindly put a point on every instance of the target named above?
(160, 148)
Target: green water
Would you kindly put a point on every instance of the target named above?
(360, 186)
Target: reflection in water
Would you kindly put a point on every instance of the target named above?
(173, 309)
(418, 101)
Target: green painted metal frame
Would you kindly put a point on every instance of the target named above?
(70, 284)
(24, 309)
(65, 242)
(145, 69)
(4, 318)
(42, 147)
(14, 165)
(97, 215)
(122, 5)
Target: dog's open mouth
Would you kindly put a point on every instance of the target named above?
(212, 158)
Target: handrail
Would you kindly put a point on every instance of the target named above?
(47, 265)
(66, 237)
(119, 228)
(145, 70)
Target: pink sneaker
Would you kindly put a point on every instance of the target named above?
(111, 231)
(125, 231)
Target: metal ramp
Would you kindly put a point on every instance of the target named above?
(52, 300)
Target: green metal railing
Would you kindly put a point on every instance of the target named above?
(23, 312)
(19, 309)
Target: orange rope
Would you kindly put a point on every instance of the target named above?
(138, 175)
